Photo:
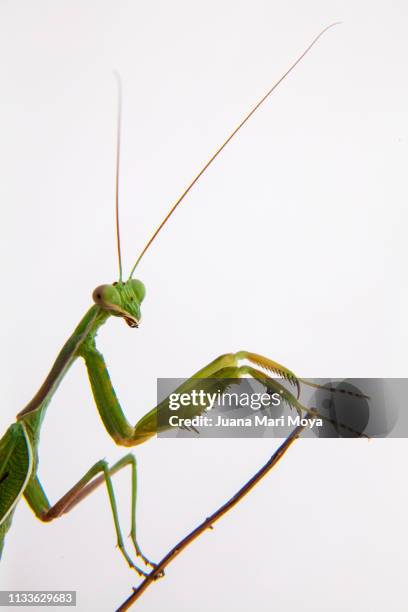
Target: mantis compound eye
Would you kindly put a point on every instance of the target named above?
(106, 295)
(138, 288)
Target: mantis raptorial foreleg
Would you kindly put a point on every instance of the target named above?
(226, 367)
(95, 476)
(112, 414)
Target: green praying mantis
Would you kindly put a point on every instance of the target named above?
(19, 446)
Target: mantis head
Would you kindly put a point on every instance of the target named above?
(122, 299)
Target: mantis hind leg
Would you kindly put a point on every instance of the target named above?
(98, 474)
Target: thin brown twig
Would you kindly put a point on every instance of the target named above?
(208, 523)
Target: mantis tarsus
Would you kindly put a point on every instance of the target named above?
(20, 444)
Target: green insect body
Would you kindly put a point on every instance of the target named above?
(19, 445)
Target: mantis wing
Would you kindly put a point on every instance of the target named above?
(16, 463)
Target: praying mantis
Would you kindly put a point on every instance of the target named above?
(19, 446)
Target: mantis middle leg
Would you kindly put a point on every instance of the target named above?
(99, 473)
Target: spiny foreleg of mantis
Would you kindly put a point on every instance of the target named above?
(111, 412)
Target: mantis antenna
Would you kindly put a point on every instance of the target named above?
(118, 133)
(224, 144)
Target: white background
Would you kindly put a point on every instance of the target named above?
(292, 246)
